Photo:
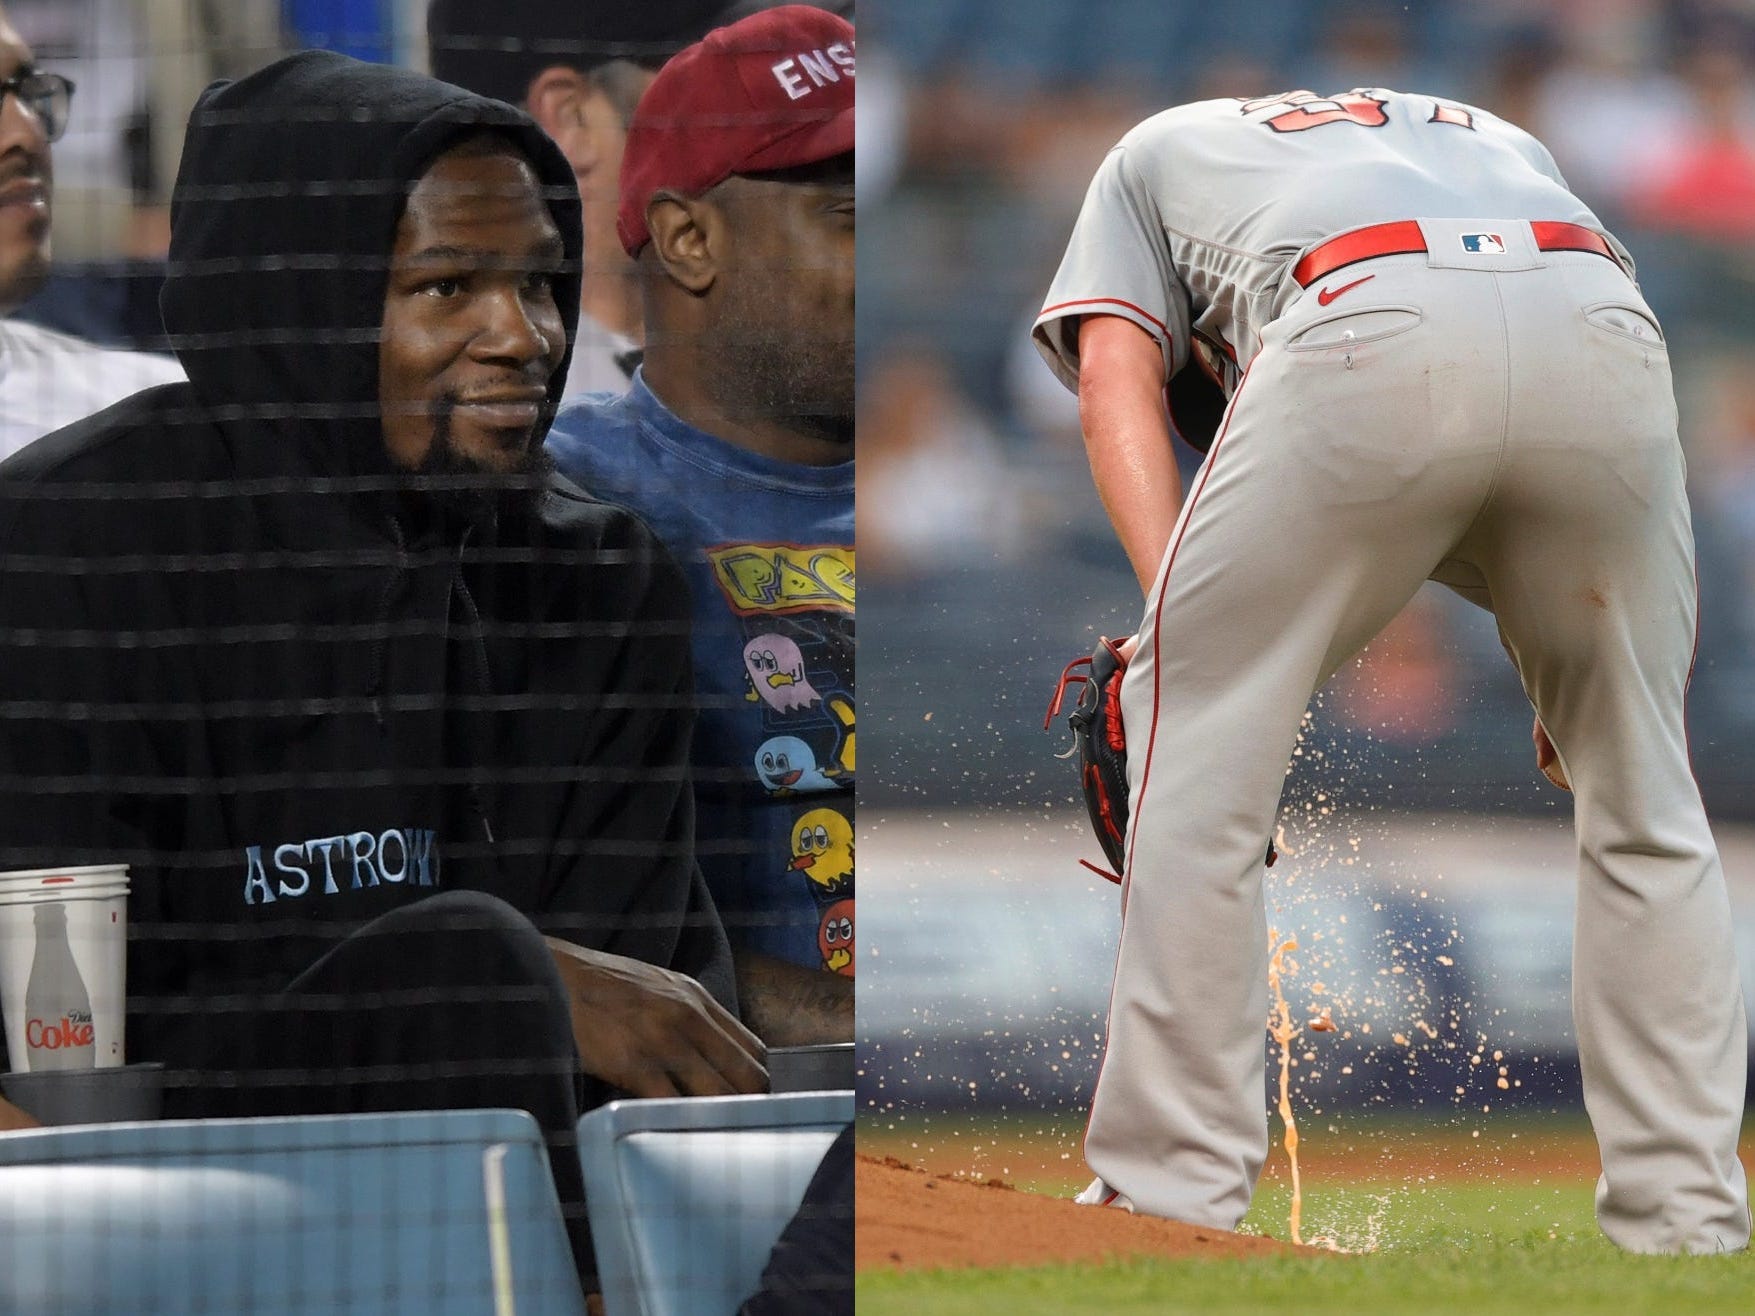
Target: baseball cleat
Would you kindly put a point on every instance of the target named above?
(1101, 1194)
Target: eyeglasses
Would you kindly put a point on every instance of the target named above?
(44, 95)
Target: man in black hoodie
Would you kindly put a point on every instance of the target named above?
(370, 702)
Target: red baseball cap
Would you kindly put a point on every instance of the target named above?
(773, 91)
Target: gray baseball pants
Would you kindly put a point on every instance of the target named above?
(1507, 425)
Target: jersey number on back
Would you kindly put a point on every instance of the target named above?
(1304, 110)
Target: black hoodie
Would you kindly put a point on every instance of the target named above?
(242, 653)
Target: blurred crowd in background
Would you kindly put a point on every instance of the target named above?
(987, 561)
(137, 67)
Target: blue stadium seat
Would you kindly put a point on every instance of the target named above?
(688, 1195)
(430, 1212)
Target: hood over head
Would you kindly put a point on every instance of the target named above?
(285, 210)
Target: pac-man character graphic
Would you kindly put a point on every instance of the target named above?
(776, 671)
(835, 938)
(822, 848)
(787, 765)
(841, 709)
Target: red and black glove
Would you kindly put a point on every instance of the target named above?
(1100, 745)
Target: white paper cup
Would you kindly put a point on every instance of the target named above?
(63, 944)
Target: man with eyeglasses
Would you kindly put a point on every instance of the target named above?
(47, 379)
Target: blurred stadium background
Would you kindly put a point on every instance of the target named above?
(1431, 884)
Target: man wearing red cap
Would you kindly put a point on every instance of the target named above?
(580, 67)
(735, 442)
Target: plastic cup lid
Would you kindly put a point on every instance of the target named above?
(73, 876)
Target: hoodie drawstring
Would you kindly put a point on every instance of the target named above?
(476, 647)
(380, 651)
(483, 674)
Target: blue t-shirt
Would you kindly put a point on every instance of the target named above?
(768, 549)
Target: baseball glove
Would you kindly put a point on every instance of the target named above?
(1100, 745)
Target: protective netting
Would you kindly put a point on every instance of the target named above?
(383, 789)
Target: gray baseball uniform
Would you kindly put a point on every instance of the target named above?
(1438, 367)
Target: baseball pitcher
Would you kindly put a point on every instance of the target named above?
(1419, 357)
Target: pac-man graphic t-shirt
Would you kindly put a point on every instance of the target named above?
(768, 549)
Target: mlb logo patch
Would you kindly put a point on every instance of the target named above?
(1483, 244)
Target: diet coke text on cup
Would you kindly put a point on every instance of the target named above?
(63, 966)
(58, 1026)
(53, 1036)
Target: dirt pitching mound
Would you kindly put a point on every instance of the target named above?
(911, 1220)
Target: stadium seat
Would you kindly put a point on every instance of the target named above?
(687, 1196)
(434, 1213)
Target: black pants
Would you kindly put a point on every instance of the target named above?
(450, 1003)
(810, 1271)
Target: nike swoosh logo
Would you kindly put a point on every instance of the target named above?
(1327, 295)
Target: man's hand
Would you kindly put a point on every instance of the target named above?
(1546, 759)
(652, 1032)
(11, 1117)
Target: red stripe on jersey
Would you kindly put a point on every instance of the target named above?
(1688, 683)
(1107, 301)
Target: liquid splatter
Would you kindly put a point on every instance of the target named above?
(1283, 1030)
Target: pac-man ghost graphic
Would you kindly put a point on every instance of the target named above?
(835, 938)
(776, 671)
(786, 764)
(822, 848)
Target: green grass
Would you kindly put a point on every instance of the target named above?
(1477, 1246)
(1536, 1275)
(1403, 1217)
